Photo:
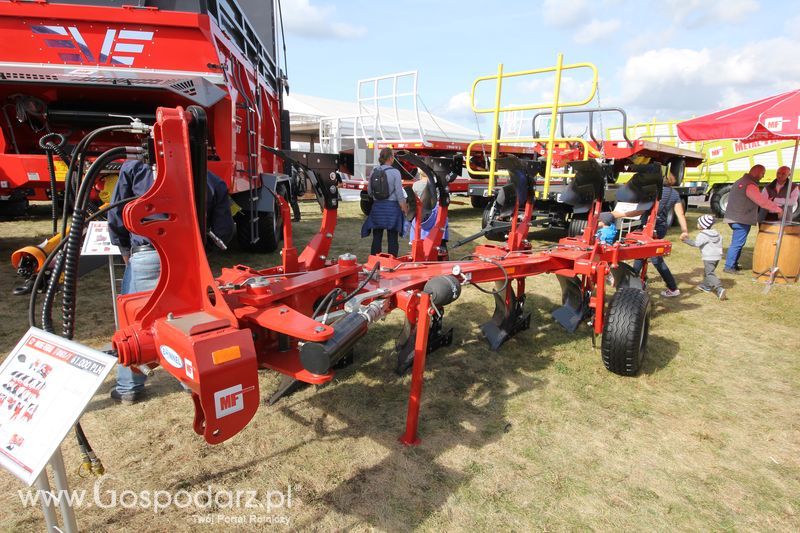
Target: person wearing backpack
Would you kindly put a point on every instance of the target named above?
(385, 188)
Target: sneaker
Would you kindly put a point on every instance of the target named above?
(737, 267)
(732, 271)
(126, 398)
(671, 294)
(703, 288)
(721, 293)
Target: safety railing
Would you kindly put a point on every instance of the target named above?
(588, 151)
(554, 106)
(590, 113)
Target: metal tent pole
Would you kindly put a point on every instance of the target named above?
(774, 271)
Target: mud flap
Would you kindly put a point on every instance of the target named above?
(507, 320)
(626, 277)
(404, 347)
(575, 305)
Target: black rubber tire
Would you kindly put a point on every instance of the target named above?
(627, 326)
(366, 206)
(719, 200)
(485, 215)
(672, 220)
(14, 208)
(479, 202)
(576, 227)
(269, 232)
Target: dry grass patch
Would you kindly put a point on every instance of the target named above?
(538, 436)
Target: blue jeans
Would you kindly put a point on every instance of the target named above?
(141, 274)
(740, 232)
(661, 267)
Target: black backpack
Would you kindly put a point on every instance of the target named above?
(379, 184)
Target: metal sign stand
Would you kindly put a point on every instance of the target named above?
(42, 484)
(112, 273)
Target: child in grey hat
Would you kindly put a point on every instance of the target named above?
(710, 243)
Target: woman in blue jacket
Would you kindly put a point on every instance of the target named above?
(388, 206)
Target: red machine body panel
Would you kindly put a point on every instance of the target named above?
(64, 68)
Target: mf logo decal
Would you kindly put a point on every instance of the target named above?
(774, 123)
(119, 47)
(230, 400)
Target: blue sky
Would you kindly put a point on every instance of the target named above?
(665, 59)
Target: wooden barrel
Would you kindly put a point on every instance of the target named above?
(764, 253)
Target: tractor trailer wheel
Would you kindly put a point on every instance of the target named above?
(486, 216)
(18, 207)
(627, 326)
(576, 227)
(719, 200)
(479, 202)
(270, 232)
(366, 205)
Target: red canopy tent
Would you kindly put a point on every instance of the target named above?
(768, 119)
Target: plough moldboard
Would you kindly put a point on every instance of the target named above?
(303, 317)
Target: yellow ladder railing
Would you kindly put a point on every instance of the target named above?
(553, 106)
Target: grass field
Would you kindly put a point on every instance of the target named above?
(536, 437)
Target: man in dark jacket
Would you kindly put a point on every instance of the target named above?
(742, 213)
(142, 265)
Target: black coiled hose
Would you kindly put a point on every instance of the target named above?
(50, 148)
(72, 251)
(67, 262)
(50, 258)
(76, 164)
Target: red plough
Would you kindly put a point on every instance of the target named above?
(303, 318)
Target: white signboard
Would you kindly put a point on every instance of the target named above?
(45, 384)
(97, 240)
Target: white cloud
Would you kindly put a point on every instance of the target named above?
(793, 24)
(597, 30)
(693, 13)
(303, 18)
(459, 109)
(564, 12)
(675, 82)
(571, 89)
(459, 103)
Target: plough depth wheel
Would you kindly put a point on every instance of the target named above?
(625, 333)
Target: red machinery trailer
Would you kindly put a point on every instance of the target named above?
(69, 66)
(437, 150)
(303, 317)
(551, 211)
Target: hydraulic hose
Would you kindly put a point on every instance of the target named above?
(76, 162)
(67, 263)
(328, 301)
(495, 263)
(89, 460)
(72, 251)
(40, 275)
(50, 147)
